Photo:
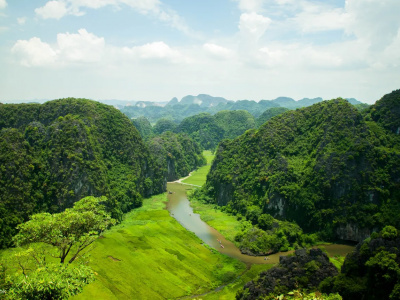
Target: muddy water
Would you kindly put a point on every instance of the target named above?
(179, 207)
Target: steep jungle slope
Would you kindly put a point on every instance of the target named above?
(234, 122)
(52, 155)
(323, 166)
(144, 127)
(305, 270)
(203, 129)
(176, 155)
(371, 272)
(208, 130)
(268, 114)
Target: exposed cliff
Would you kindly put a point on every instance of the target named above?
(326, 167)
(54, 154)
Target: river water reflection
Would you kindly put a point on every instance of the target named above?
(179, 207)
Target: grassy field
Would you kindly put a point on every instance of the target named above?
(199, 176)
(151, 256)
(229, 291)
(226, 224)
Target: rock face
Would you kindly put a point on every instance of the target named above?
(351, 232)
(305, 269)
(327, 167)
(54, 154)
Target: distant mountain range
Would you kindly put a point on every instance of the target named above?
(190, 105)
(176, 110)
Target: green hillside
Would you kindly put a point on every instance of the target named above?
(208, 130)
(324, 167)
(176, 155)
(52, 155)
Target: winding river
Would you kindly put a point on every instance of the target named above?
(179, 207)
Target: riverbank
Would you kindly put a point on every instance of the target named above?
(151, 256)
(198, 177)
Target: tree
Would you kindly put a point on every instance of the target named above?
(70, 231)
(53, 281)
(163, 125)
(32, 273)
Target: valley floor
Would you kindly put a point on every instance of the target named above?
(151, 256)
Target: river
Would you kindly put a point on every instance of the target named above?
(179, 207)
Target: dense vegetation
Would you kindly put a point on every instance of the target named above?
(305, 270)
(268, 114)
(41, 267)
(259, 233)
(144, 127)
(52, 155)
(209, 130)
(234, 123)
(326, 167)
(176, 155)
(372, 271)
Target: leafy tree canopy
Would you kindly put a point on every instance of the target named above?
(70, 231)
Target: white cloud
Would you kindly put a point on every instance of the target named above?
(3, 4)
(250, 5)
(143, 6)
(253, 25)
(81, 47)
(21, 21)
(57, 9)
(272, 56)
(34, 52)
(52, 10)
(317, 17)
(374, 20)
(218, 51)
(154, 51)
(391, 55)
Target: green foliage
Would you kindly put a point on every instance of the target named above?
(203, 129)
(301, 295)
(389, 232)
(54, 154)
(176, 154)
(53, 281)
(33, 273)
(144, 127)
(270, 113)
(386, 111)
(275, 236)
(323, 167)
(70, 231)
(164, 125)
(305, 270)
(372, 271)
(234, 123)
(209, 130)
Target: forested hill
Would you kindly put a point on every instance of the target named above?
(208, 130)
(54, 154)
(327, 167)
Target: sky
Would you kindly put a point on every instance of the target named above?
(154, 50)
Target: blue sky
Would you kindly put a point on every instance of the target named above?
(154, 50)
